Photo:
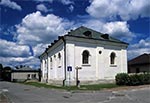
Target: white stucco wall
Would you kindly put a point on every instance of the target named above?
(24, 75)
(99, 66)
(120, 62)
(88, 71)
(55, 68)
(44, 69)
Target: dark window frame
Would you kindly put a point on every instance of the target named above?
(112, 58)
(59, 56)
(85, 57)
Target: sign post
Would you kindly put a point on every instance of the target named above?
(77, 78)
(69, 69)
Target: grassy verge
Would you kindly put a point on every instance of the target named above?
(82, 87)
(99, 86)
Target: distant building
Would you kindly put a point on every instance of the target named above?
(20, 74)
(24, 73)
(139, 64)
(99, 56)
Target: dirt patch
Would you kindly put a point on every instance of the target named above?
(3, 98)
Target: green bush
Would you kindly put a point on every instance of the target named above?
(146, 78)
(141, 79)
(122, 79)
(133, 79)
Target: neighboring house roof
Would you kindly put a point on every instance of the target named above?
(84, 32)
(25, 69)
(142, 59)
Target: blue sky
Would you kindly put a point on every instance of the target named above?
(27, 27)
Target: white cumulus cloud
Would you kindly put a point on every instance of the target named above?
(43, 0)
(36, 28)
(71, 8)
(143, 46)
(65, 2)
(11, 49)
(37, 52)
(42, 7)
(39, 31)
(126, 9)
(14, 61)
(116, 29)
(11, 4)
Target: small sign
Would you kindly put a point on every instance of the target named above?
(69, 68)
(78, 67)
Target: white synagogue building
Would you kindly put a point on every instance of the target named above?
(85, 55)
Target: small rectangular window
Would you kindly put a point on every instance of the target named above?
(28, 76)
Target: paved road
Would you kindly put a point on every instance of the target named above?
(19, 93)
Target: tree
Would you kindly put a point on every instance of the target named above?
(1, 66)
(7, 73)
(1, 70)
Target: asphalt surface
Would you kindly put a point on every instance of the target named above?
(19, 93)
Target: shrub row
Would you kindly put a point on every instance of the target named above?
(133, 79)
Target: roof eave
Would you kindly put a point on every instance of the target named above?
(52, 44)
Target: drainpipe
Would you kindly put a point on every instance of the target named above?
(64, 60)
(47, 67)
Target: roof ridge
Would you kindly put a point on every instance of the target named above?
(79, 32)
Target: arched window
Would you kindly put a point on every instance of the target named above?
(51, 64)
(45, 63)
(85, 57)
(50, 59)
(112, 58)
(59, 56)
(59, 60)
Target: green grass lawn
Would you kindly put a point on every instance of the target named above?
(98, 86)
(82, 87)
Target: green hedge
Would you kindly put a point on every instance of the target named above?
(132, 79)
